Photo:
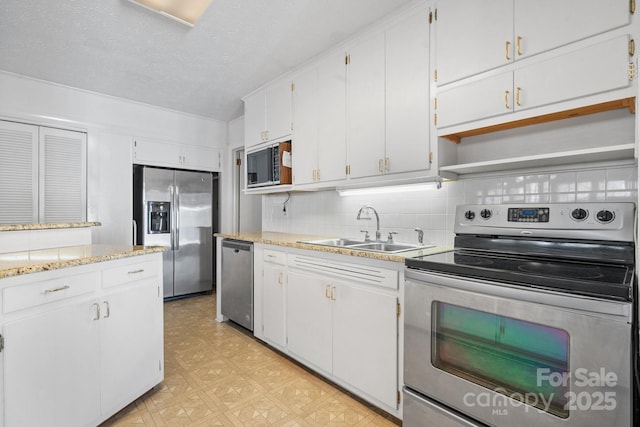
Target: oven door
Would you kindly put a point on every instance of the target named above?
(508, 356)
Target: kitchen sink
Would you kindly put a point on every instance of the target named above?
(334, 242)
(385, 247)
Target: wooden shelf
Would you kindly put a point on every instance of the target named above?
(629, 103)
(589, 155)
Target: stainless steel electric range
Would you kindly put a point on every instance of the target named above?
(527, 322)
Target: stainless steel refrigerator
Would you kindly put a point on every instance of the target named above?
(174, 208)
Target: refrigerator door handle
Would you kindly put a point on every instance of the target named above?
(172, 223)
(135, 232)
(177, 222)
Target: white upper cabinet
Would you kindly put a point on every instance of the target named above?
(267, 113)
(407, 94)
(319, 122)
(542, 25)
(167, 154)
(366, 107)
(388, 86)
(473, 36)
(42, 175)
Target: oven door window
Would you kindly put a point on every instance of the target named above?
(503, 354)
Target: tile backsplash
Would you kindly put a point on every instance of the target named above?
(327, 213)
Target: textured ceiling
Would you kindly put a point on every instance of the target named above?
(117, 48)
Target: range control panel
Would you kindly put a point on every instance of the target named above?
(606, 220)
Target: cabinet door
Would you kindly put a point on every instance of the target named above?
(365, 341)
(131, 342)
(273, 304)
(545, 24)
(278, 110)
(309, 333)
(477, 100)
(407, 94)
(201, 158)
(18, 173)
(52, 368)
(63, 176)
(146, 152)
(254, 119)
(591, 70)
(366, 105)
(305, 127)
(332, 118)
(472, 36)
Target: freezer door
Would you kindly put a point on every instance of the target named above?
(158, 187)
(193, 249)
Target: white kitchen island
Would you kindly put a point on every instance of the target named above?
(81, 328)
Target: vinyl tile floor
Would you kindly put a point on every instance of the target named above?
(218, 375)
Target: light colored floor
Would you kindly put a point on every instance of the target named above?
(216, 375)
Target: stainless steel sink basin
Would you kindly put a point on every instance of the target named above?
(384, 247)
(334, 242)
(367, 246)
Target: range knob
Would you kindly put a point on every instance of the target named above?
(605, 216)
(470, 215)
(579, 214)
(485, 213)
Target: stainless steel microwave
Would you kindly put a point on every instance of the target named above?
(270, 165)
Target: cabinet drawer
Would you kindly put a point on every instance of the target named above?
(128, 273)
(33, 294)
(274, 257)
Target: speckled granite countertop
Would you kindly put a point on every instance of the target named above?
(19, 227)
(293, 241)
(18, 263)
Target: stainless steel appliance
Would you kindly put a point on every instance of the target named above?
(527, 322)
(173, 208)
(236, 290)
(269, 165)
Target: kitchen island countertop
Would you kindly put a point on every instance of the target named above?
(26, 262)
(294, 241)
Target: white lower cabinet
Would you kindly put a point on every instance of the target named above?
(79, 345)
(338, 316)
(274, 277)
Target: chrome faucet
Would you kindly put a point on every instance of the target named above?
(368, 207)
(420, 235)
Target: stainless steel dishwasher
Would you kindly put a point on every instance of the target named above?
(236, 291)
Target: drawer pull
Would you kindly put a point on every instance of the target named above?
(136, 271)
(61, 288)
(271, 256)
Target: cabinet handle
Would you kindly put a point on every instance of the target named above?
(50, 291)
(136, 271)
(386, 164)
(318, 174)
(108, 309)
(271, 256)
(518, 45)
(333, 296)
(506, 100)
(97, 306)
(280, 278)
(380, 165)
(326, 292)
(518, 96)
(507, 46)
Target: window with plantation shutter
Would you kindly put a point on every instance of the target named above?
(42, 174)
(18, 173)
(62, 176)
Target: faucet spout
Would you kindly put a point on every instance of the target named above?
(370, 208)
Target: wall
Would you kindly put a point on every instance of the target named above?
(327, 213)
(111, 124)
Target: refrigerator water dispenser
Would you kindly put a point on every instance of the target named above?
(159, 217)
